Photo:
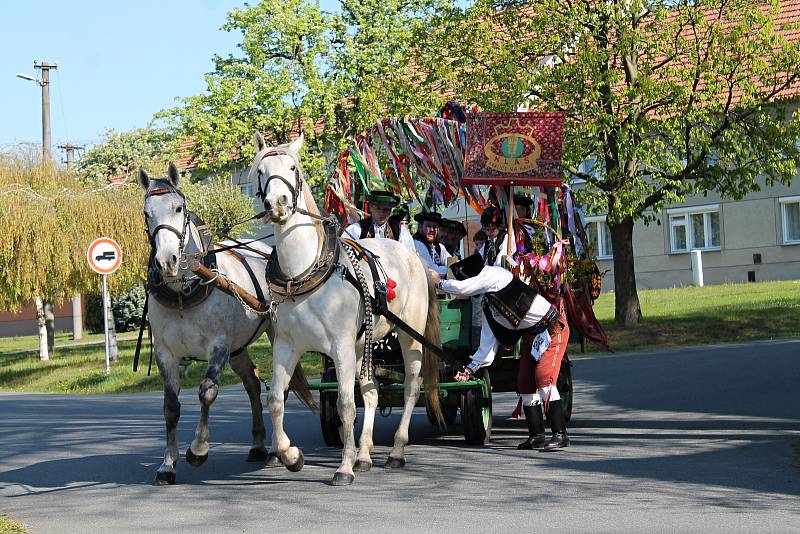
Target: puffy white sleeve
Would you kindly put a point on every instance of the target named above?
(353, 231)
(444, 255)
(406, 239)
(489, 279)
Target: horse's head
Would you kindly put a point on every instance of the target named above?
(279, 180)
(166, 217)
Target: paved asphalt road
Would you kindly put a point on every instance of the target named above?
(691, 440)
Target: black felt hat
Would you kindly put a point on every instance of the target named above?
(523, 200)
(383, 197)
(468, 267)
(455, 227)
(428, 216)
(492, 215)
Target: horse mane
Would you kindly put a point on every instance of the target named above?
(311, 204)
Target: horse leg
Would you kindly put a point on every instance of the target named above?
(346, 405)
(412, 356)
(243, 366)
(284, 360)
(369, 392)
(197, 453)
(170, 377)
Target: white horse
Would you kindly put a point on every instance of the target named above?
(328, 318)
(214, 327)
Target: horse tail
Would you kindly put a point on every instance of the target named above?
(430, 360)
(299, 385)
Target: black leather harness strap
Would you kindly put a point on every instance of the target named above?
(141, 332)
(259, 295)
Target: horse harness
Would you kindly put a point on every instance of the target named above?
(192, 291)
(195, 292)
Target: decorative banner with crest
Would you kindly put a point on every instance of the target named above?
(514, 149)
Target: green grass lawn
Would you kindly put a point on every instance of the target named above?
(10, 527)
(81, 370)
(672, 317)
(705, 315)
(62, 339)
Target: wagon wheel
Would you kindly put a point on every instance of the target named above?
(476, 413)
(328, 415)
(564, 385)
(449, 410)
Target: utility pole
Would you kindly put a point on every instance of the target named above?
(45, 67)
(70, 148)
(77, 306)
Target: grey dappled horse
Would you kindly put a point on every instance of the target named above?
(213, 328)
(328, 319)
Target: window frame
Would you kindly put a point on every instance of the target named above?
(601, 247)
(686, 212)
(783, 201)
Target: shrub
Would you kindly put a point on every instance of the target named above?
(127, 308)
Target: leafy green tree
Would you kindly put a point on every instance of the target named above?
(302, 69)
(49, 217)
(124, 153)
(663, 98)
(220, 204)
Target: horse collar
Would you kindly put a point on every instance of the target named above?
(310, 279)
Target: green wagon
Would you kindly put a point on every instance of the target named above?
(472, 400)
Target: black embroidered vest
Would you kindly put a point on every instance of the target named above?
(513, 301)
(368, 228)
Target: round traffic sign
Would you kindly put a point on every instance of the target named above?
(104, 255)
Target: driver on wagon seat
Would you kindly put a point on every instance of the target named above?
(512, 308)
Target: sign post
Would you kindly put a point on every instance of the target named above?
(104, 256)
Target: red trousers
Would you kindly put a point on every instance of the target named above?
(534, 375)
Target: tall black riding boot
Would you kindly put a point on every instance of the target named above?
(559, 439)
(535, 419)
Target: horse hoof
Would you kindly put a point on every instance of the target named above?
(273, 460)
(395, 463)
(194, 459)
(298, 465)
(342, 479)
(362, 466)
(164, 478)
(258, 455)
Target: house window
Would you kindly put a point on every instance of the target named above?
(790, 215)
(599, 237)
(694, 228)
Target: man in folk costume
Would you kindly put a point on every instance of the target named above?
(494, 226)
(381, 223)
(512, 308)
(432, 253)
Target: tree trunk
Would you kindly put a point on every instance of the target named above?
(50, 325)
(626, 299)
(112, 333)
(77, 317)
(44, 354)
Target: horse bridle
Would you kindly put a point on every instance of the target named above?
(182, 233)
(295, 189)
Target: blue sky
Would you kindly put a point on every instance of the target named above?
(118, 62)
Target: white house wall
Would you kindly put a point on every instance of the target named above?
(747, 227)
